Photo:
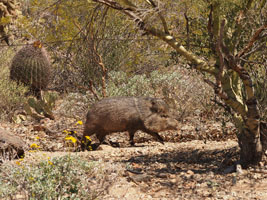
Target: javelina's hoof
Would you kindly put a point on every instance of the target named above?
(114, 144)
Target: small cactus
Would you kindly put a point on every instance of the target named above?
(44, 106)
(31, 66)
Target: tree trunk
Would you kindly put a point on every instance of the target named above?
(252, 148)
(263, 135)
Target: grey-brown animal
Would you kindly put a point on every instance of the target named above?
(118, 114)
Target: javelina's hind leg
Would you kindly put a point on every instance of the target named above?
(155, 135)
(101, 137)
(131, 134)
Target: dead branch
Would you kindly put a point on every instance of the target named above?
(187, 31)
(221, 57)
(163, 21)
(254, 38)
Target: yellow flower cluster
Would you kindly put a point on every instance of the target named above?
(34, 146)
(79, 123)
(72, 139)
(49, 161)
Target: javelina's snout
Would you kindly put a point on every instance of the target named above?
(118, 114)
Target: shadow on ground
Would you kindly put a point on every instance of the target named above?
(196, 160)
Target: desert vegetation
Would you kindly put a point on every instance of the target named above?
(205, 59)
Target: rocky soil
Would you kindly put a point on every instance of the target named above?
(196, 162)
(186, 170)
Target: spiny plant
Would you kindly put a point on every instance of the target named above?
(41, 107)
(32, 67)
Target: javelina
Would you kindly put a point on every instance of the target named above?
(118, 114)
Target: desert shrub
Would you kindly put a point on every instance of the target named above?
(66, 177)
(185, 88)
(11, 94)
(75, 105)
(11, 98)
(260, 79)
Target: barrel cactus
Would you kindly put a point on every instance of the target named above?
(31, 66)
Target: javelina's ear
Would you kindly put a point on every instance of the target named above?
(159, 106)
(155, 106)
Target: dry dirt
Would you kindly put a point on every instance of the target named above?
(193, 164)
(186, 170)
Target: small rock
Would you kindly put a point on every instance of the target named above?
(239, 169)
(140, 178)
(173, 181)
(261, 164)
(190, 172)
(161, 175)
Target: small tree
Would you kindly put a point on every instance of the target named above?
(229, 75)
(8, 12)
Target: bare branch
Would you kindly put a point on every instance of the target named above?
(163, 21)
(169, 39)
(254, 38)
(259, 47)
(187, 31)
(240, 18)
(221, 56)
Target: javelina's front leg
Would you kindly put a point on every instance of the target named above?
(155, 135)
(131, 134)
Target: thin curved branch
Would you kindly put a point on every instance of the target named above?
(169, 39)
(163, 21)
(253, 39)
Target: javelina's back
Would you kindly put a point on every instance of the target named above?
(130, 114)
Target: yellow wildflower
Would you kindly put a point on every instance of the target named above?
(33, 145)
(79, 122)
(18, 163)
(88, 138)
(37, 138)
(73, 139)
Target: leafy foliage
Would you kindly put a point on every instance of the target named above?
(66, 177)
(11, 94)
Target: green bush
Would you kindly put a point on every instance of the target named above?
(185, 88)
(11, 94)
(66, 177)
(11, 98)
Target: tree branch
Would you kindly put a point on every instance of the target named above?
(224, 81)
(254, 38)
(169, 39)
(221, 57)
(239, 19)
(163, 21)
